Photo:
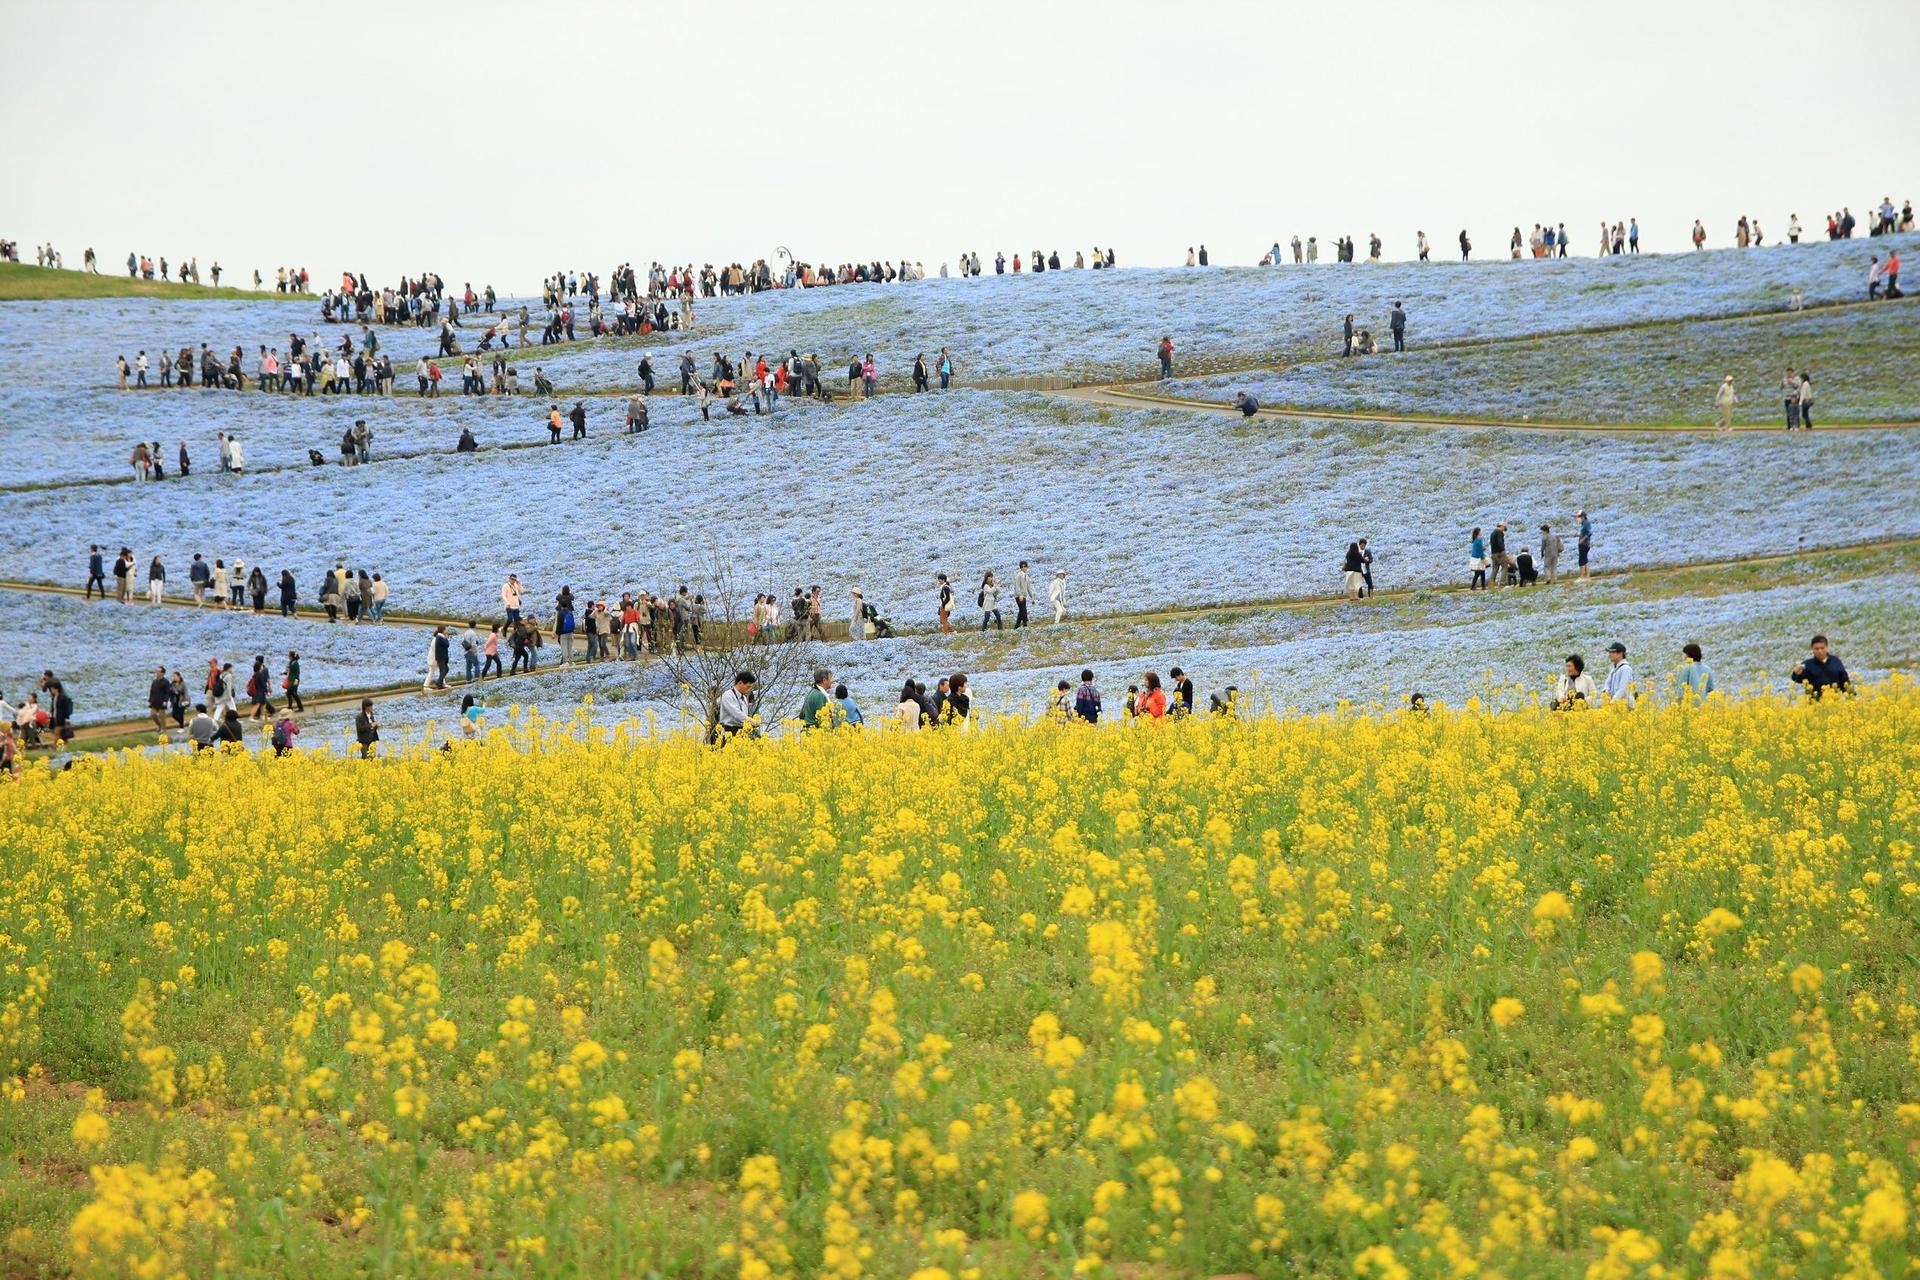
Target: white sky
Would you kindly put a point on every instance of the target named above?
(512, 139)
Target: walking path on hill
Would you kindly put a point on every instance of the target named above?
(98, 734)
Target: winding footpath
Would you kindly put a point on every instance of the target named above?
(101, 732)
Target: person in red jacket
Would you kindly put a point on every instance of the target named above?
(1166, 358)
(1153, 703)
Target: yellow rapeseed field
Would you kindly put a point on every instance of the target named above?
(1603, 994)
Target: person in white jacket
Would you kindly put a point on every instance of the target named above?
(1057, 595)
(1723, 401)
(236, 459)
(510, 597)
(1575, 688)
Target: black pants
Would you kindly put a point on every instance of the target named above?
(1399, 340)
(1019, 613)
(520, 656)
(96, 579)
(293, 697)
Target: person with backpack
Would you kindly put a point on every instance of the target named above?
(284, 732)
(988, 600)
(259, 689)
(1165, 352)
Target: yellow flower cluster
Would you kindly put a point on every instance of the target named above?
(1627, 994)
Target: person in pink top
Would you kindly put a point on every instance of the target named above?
(869, 375)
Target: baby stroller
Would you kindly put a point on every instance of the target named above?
(881, 628)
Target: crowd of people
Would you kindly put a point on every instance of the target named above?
(355, 595)
(308, 368)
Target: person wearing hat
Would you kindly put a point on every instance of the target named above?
(857, 629)
(1619, 685)
(1723, 400)
(1584, 543)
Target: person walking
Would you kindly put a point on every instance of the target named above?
(438, 655)
(1806, 401)
(989, 601)
(96, 572)
(1619, 685)
(1695, 677)
(510, 595)
(1723, 401)
(815, 711)
(1057, 595)
(366, 728)
(1477, 561)
(1022, 594)
(944, 603)
(260, 689)
(160, 698)
(1086, 699)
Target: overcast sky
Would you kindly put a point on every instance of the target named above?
(496, 142)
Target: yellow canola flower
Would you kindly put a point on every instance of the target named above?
(1030, 1213)
(1294, 992)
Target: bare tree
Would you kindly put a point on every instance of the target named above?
(727, 646)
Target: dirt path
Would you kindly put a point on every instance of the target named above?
(1132, 396)
(95, 733)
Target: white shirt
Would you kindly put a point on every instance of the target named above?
(1057, 591)
(735, 709)
(1566, 689)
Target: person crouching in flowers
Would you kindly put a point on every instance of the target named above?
(1574, 688)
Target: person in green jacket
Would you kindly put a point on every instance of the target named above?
(814, 713)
